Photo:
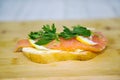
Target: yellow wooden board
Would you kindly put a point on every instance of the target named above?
(105, 66)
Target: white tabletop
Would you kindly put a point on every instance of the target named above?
(19, 10)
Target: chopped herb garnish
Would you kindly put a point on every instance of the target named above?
(48, 33)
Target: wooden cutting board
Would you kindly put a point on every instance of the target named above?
(105, 66)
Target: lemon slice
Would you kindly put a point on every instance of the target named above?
(37, 46)
(85, 40)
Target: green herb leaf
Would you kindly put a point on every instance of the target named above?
(47, 34)
(67, 33)
(35, 35)
(43, 41)
(79, 30)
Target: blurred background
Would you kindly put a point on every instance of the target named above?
(22, 10)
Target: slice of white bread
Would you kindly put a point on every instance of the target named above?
(46, 56)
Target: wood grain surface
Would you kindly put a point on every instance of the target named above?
(105, 66)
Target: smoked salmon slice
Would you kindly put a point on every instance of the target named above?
(70, 44)
(22, 43)
(73, 44)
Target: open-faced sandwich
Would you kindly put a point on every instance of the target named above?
(76, 43)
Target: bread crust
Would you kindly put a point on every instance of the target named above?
(47, 57)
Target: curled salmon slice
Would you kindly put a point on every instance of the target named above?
(22, 43)
(73, 44)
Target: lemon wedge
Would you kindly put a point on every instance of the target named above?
(32, 42)
(85, 40)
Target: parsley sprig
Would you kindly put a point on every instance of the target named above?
(48, 33)
(45, 36)
(77, 30)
